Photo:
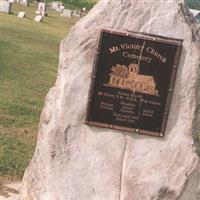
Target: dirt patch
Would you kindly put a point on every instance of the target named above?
(9, 190)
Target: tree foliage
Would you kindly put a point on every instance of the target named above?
(195, 4)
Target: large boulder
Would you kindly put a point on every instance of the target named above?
(74, 161)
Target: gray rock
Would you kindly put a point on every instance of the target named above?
(73, 161)
(5, 6)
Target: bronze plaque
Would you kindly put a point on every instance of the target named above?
(132, 82)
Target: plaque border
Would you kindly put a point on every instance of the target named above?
(145, 36)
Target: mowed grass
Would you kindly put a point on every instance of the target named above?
(29, 54)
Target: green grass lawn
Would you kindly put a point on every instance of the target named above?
(29, 54)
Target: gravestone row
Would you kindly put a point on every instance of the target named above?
(5, 7)
(41, 10)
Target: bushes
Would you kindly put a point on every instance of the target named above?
(81, 3)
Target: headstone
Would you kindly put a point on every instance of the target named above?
(74, 160)
(24, 2)
(12, 1)
(60, 8)
(54, 4)
(38, 18)
(21, 14)
(42, 9)
(5, 6)
(67, 13)
(84, 9)
(76, 13)
(57, 5)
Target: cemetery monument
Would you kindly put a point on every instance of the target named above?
(75, 159)
(42, 9)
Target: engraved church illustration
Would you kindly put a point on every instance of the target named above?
(131, 79)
